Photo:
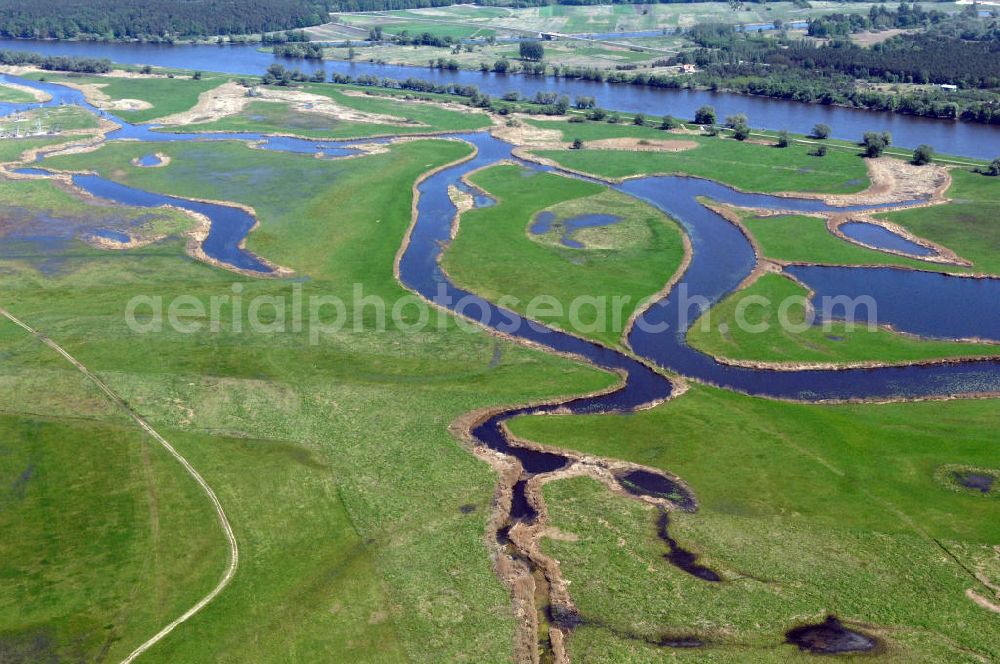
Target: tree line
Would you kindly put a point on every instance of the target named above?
(390, 5)
(142, 19)
(56, 62)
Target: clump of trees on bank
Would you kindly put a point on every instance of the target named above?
(55, 62)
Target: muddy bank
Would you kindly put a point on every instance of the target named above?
(939, 253)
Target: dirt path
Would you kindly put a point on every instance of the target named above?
(230, 571)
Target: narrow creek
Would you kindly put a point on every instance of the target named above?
(722, 258)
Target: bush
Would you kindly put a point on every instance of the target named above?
(577, 144)
(875, 143)
(820, 151)
(733, 121)
(668, 122)
(532, 50)
(821, 131)
(639, 119)
(924, 154)
(705, 116)
(994, 167)
(741, 132)
(782, 139)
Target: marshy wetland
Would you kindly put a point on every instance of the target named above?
(648, 490)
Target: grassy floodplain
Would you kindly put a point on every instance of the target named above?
(966, 225)
(802, 239)
(337, 452)
(747, 166)
(46, 121)
(804, 510)
(633, 258)
(361, 520)
(280, 118)
(165, 95)
(11, 149)
(11, 95)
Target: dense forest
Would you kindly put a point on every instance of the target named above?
(154, 19)
(961, 50)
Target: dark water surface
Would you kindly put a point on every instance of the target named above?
(882, 238)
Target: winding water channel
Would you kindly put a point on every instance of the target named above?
(920, 302)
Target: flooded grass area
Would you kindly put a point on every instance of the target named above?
(604, 221)
(58, 221)
(874, 235)
(829, 528)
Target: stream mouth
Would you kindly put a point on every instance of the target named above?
(830, 637)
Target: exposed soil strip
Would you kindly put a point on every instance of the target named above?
(227, 529)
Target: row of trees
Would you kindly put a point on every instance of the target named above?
(305, 51)
(389, 5)
(551, 103)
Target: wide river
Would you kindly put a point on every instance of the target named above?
(946, 136)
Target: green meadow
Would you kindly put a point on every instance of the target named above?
(344, 548)
(746, 166)
(966, 224)
(277, 117)
(10, 95)
(803, 509)
(166, 95)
